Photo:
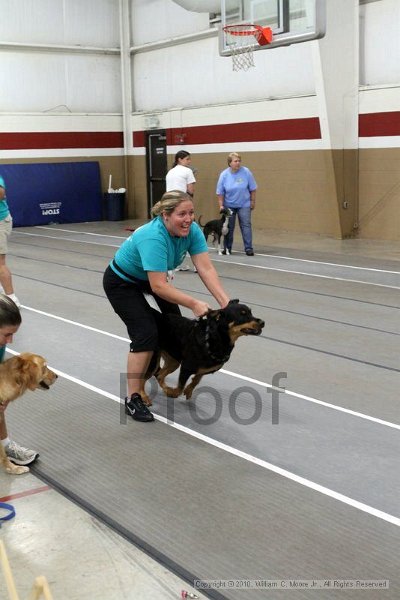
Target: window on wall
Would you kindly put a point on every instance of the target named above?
(215, 18)
(265, 7)
(231, 16)
(263, 12)
(280, 15)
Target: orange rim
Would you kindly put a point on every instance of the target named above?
(263, 35)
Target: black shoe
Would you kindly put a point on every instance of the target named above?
(249, 253)
(137, 409)
(224, 252)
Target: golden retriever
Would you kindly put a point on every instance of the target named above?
(17, 375)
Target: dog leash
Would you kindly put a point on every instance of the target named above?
(11, 512)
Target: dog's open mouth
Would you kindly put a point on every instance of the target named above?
(44, 385)
(253, 328)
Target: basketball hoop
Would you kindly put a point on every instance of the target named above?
(240, 41)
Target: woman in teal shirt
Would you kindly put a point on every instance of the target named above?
(143, 265)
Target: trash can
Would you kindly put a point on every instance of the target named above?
(115, 206)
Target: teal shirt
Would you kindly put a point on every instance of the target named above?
(4, 210)
(152, 248)
(2, 352)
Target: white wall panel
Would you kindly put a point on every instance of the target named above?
(92, 22)
(379, 99)
(33, 82)
(50, 122)
(63, 22)
(40, 82)
(94, 83)
(154, 20)
(380, 42)
(194, 75)
(38, 21)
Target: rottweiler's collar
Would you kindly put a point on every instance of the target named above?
(225, 357)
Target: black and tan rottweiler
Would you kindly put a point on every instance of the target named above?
(198, 346)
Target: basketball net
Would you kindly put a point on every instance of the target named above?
(242, 57)
(241, 40)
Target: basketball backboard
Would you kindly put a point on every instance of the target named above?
(291, 21)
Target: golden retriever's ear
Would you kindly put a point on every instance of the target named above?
(18, 365)
(32, 373)
(17, 362)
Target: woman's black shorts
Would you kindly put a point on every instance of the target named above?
(129, 302)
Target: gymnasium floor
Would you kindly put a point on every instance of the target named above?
(305, 474)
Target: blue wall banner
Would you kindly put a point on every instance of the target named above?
(43, 193)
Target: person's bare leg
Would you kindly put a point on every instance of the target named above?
(4, 459)
(3, 428)
(137, 401)
(138, 363)
(5, 276)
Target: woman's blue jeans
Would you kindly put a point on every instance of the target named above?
(244, 216)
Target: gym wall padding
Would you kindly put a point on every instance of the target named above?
(42, 193)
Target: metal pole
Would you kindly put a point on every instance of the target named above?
(126, 79)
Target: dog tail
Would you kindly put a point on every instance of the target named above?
(199, 222)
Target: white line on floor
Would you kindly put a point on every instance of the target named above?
(306, 260)
(119, 237)
(320, 262)
(57, 318)
(292, 476)
(314, 400)
(247, 265)
(392, 287)
(252, 459)
(315, 262)
(54, 237)
(232, 374)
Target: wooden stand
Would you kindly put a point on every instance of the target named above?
(40, 586)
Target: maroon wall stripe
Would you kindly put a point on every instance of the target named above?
(61, 139)
(376, 124)
(373, 124)
(260, 131)
(139, 140)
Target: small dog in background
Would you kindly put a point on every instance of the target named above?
(218, 228)
(17, 375)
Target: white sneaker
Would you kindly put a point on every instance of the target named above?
(14, 299)
(20, 455)
(183, 268)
